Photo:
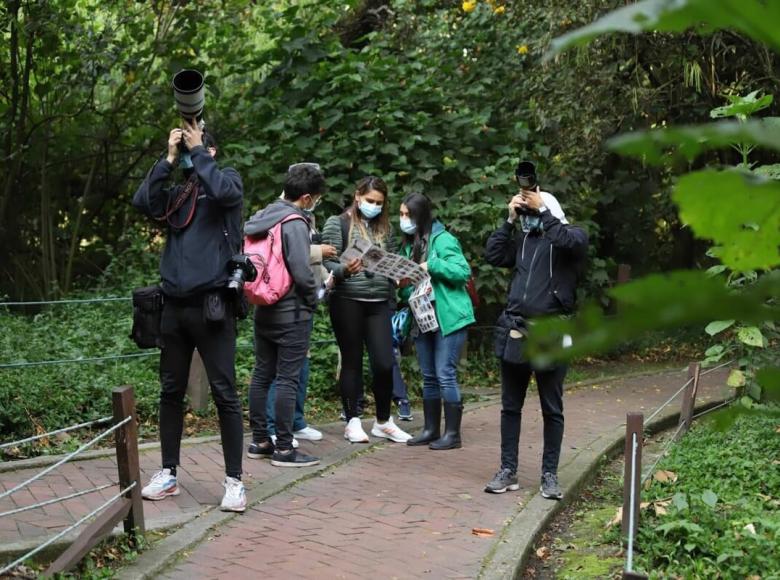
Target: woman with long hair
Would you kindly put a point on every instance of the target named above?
(360, 309)
(426, 242)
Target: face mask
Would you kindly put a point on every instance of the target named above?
(185, 161)
(407, 226)
(531, 223)
(369, 210)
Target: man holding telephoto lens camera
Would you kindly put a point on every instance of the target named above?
(545, 257)
(201, 278)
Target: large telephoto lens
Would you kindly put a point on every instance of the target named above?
(189, 92)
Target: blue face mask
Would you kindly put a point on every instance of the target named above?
(185, 160)
(369, 210)
(407, 226)
(531, 223)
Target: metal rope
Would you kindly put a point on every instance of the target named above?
(55, 500)
(50, 433)
(711, 409)
(74, 360)
(720, 366)
(67, 458)
(664, 452)
(669, 400)
(53, 539)
(71, 301)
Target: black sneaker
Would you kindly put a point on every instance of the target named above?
(404, 410)
(504, 480)
(293, 458)
(550, 488)
(260, 451)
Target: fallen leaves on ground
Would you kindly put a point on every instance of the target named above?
(617, 519)
(483, 532)
(663, 476)
(543, 553)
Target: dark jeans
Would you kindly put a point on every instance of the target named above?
(514, 384)
(300, 401)
(356, 323)
(280, 352)
(438, 357)
(400, 390)
(183, 329)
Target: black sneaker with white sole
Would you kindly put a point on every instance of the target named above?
(550, 488)
(293, 458)
(504, 480)
(260, 450)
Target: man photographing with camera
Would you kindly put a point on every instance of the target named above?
(203, 218)
(545, 257)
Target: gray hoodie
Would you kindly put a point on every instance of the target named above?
(299, 303)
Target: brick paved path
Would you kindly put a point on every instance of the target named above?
(402, 512)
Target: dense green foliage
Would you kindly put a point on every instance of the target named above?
(723, 517)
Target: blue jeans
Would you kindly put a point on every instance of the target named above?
(298, 421)
(438, 357)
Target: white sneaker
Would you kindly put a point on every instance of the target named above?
(161, 486)
(295, 441)
(235, 496)
(390, 431)
(308, 434)
(354, 431)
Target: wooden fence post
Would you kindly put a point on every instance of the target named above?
(127, 456)
(633, 465)
(623, 273)
(689, 399)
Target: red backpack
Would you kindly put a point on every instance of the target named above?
(273, 279)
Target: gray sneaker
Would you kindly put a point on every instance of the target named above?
(504, 480)
(550, 488)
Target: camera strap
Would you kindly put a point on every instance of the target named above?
(190, 190)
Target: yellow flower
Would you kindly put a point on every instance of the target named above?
(469, 5)
(499, 10)
(522, 49)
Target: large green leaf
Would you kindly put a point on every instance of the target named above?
(689, 141)
(739, 211)
(657, 302)
(755, 18)
(742, 107)
(751, 336)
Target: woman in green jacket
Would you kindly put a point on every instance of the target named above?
(426, 242)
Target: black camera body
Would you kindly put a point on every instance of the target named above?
(525, 175)
(241, 270)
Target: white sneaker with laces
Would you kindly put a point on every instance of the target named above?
(295, 442)
(308, 434)
(390, 430)
(161, 486)
(354, 431)
(235, 496)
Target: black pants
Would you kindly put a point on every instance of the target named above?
(183, 329)
(356, 323)
(280, 351)
(514, 384)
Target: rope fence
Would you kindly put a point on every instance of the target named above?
(65, 459)
(55, 432)
(41, 504)
(71, 301)
(56, 537)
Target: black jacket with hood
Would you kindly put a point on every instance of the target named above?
(300, 301)
(195, 258)
(546, 265)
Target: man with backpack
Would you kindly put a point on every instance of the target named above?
(286, 296)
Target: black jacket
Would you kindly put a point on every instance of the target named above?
(195, 258)
(300, 301)
(545, 266)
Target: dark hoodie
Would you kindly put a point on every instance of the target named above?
(195, 258)
(300, 301)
